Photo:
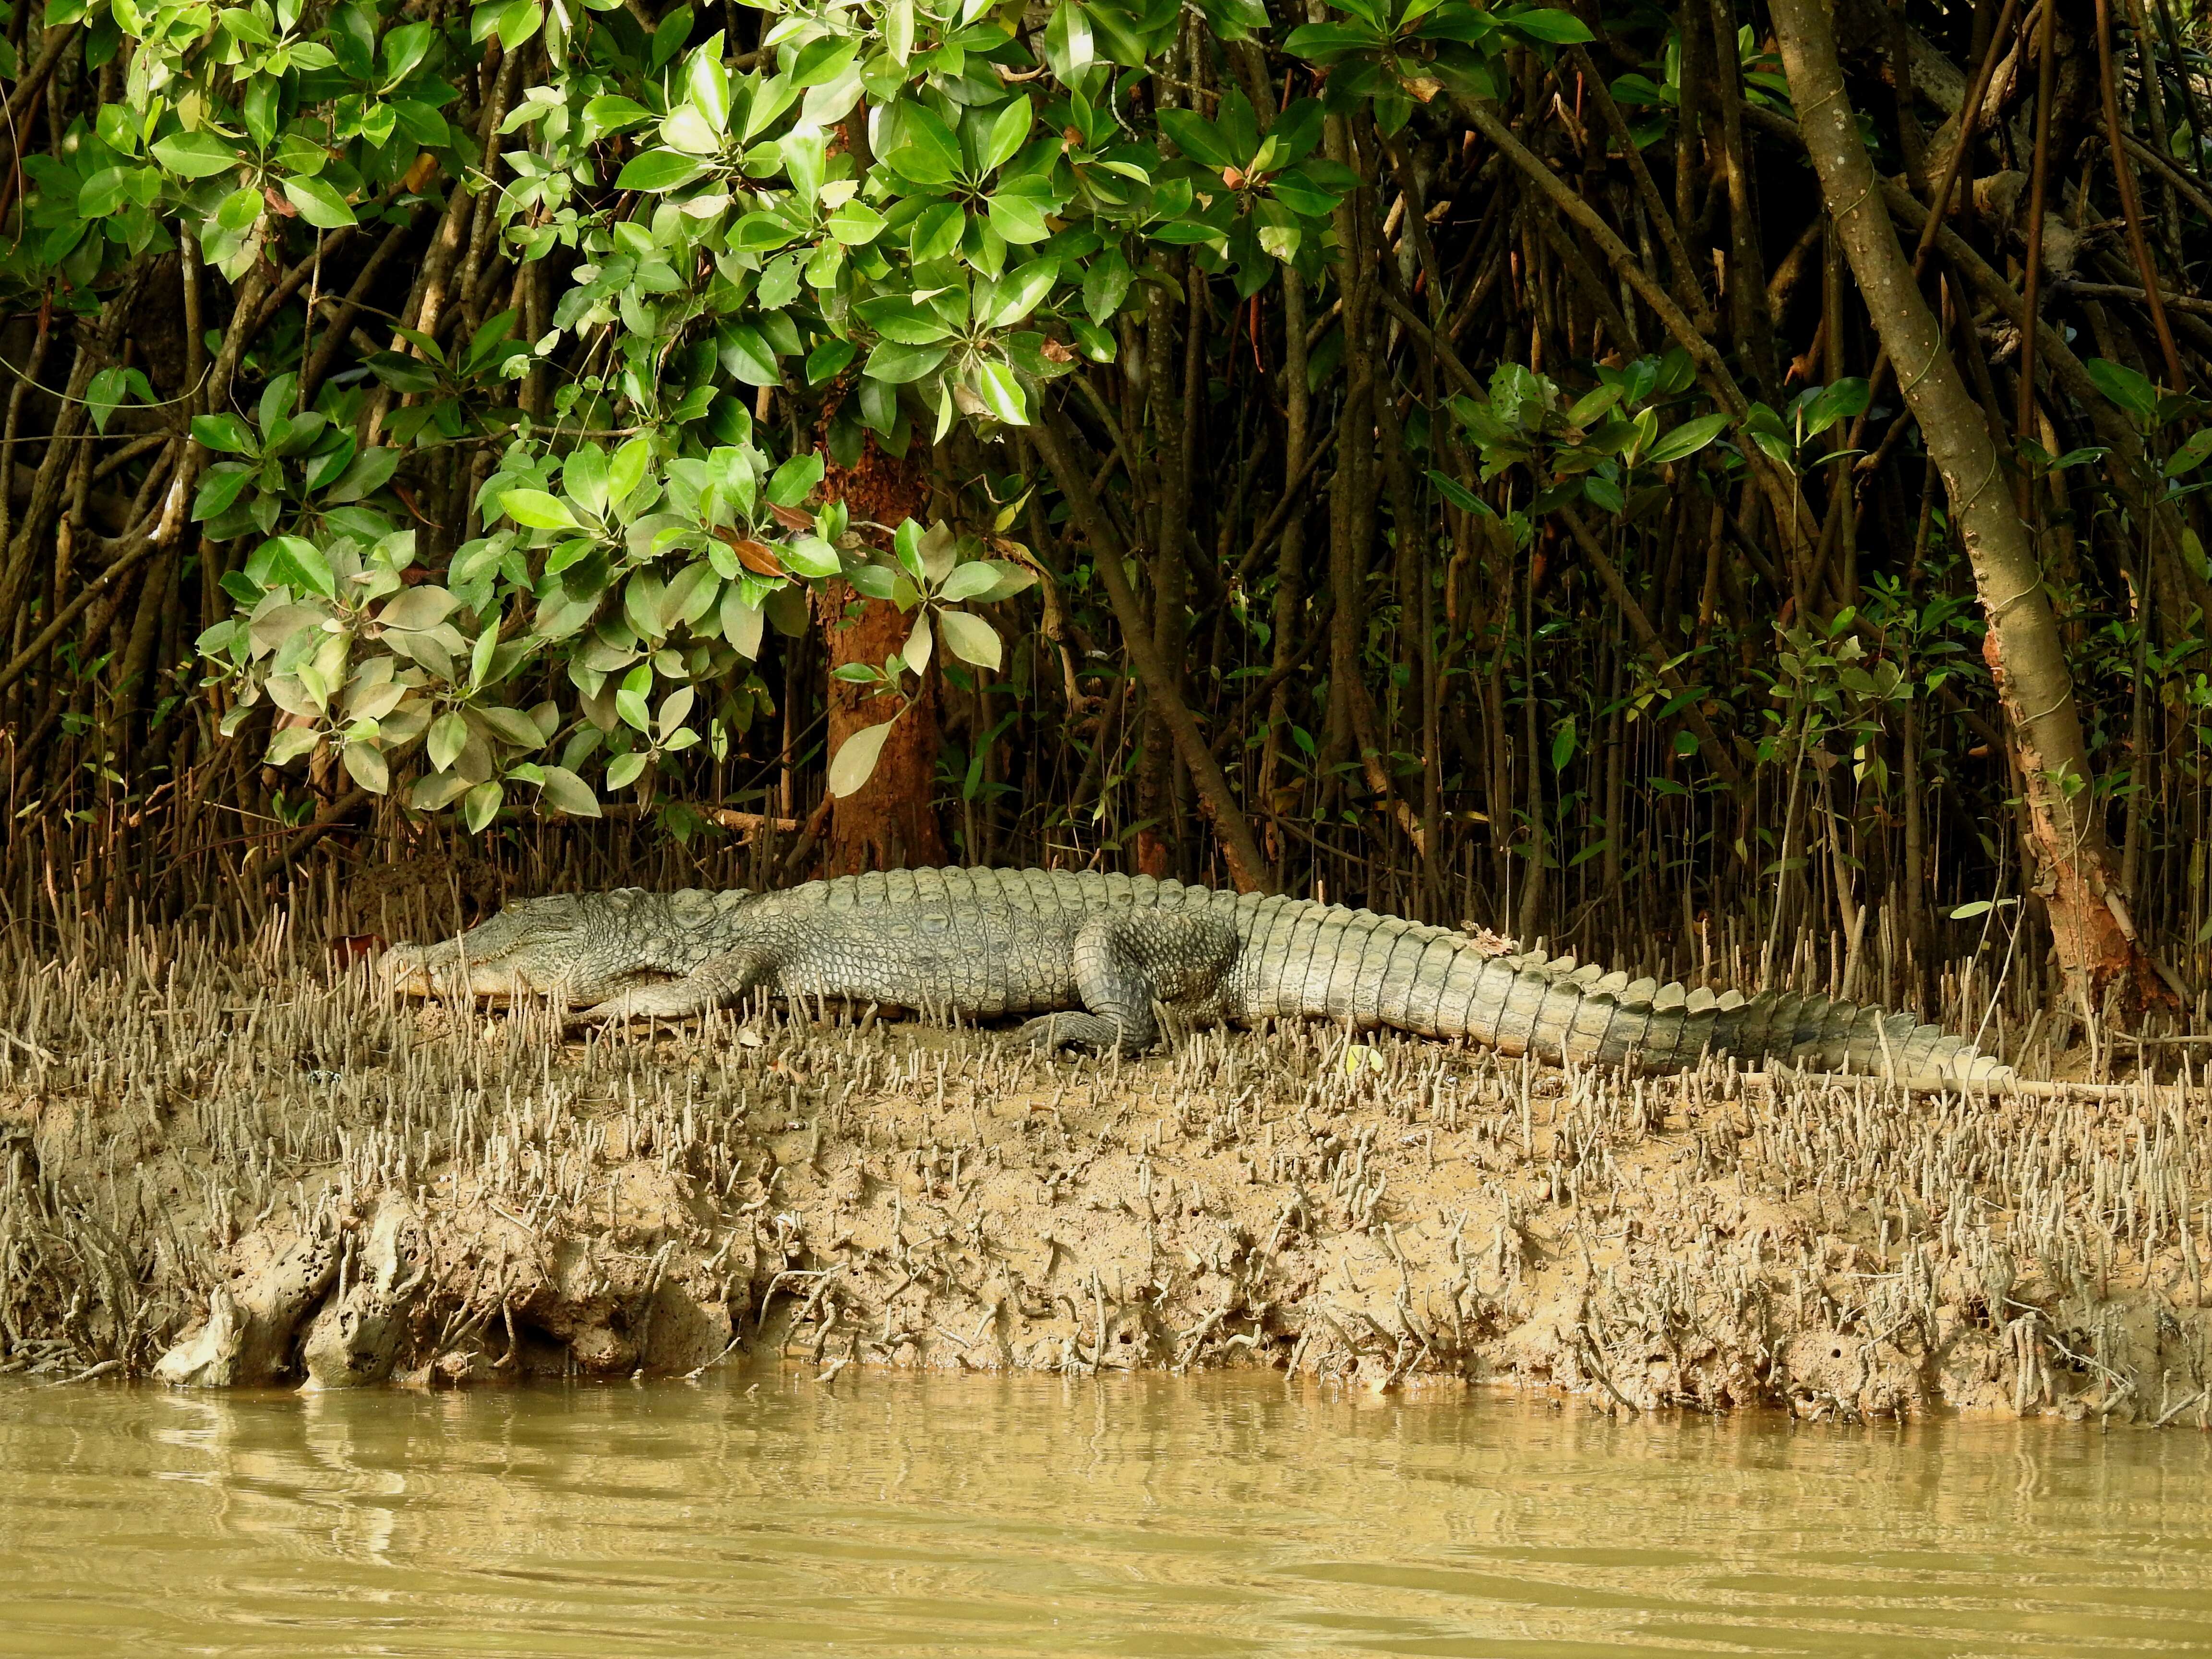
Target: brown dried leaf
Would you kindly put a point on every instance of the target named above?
(756, 557)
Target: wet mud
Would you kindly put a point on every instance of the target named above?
(233, 1166)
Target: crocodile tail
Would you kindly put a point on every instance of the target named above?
(1559, 1010)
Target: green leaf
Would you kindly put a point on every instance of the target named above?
(1686, 439)
(1553, 28)
(1592, 404)
(319, 205)
(763, 233)
(482, 805)
(659, 170)
(827, 103)
(537, 510)
(416, 609)
(747, 357)
(856, 224)
(795, 481)
(1067, 48)
(1324, 43)
(967, 581)
(1236, 20)
(288, 744)
(104, 394)
(1974, 908)
(1299, 189)
(1022, 291)
(741, 622)
(937, 233)
(295, 562)
(706, 83)
(1018, 216)
(519, 21)
(670, 34)
(822, 59)
(1198, 138)
(1096, 343)
(220, 487)
(805, 149)
(970, 638)
(898, 318)
(626, 471)
(564, 792)
(611, 113)
(449, 735)
(827, 361)
(436, 792)
(1105, 285)
(513, 725)
(1457, 493)
(481, 655)
(1002, 394)
(854, 762)
(2191, 455)
(674, 709)
(897, 364)
(1845, 400)
(106, 193)
(1008, 132)
(811, 556)
(195, 154)
(925, 152)
(403, 373)
(2125, 387)
(584, 475)
(365, 474)
(405, 47)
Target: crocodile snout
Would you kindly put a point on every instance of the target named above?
(443, 971)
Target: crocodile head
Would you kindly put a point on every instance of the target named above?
(580, 948)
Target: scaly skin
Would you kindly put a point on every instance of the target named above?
(1101, 959)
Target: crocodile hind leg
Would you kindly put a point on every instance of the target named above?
(1133, 966)
(714, 983)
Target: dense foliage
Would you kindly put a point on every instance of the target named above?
(1468, 398)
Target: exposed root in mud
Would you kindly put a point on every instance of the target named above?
(220, 1167)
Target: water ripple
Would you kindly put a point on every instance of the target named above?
(983, 1516)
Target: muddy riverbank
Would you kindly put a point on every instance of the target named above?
(237, 1166)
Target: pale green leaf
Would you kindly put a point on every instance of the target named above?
(536, 510)
(970, 638)
(854, 764)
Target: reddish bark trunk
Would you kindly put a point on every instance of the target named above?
(890, 824)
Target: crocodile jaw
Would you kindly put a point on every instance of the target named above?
(442, 970)
(537, 948)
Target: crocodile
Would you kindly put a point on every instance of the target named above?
(1105, 961)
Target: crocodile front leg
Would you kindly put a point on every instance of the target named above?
(1132, 966)
(714, 983)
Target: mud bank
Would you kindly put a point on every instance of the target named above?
(230, 1168)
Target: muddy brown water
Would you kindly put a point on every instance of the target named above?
(901, 1515)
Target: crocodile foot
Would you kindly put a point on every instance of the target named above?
(1085, 1032)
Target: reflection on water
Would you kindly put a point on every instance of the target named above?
(981, 1516)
